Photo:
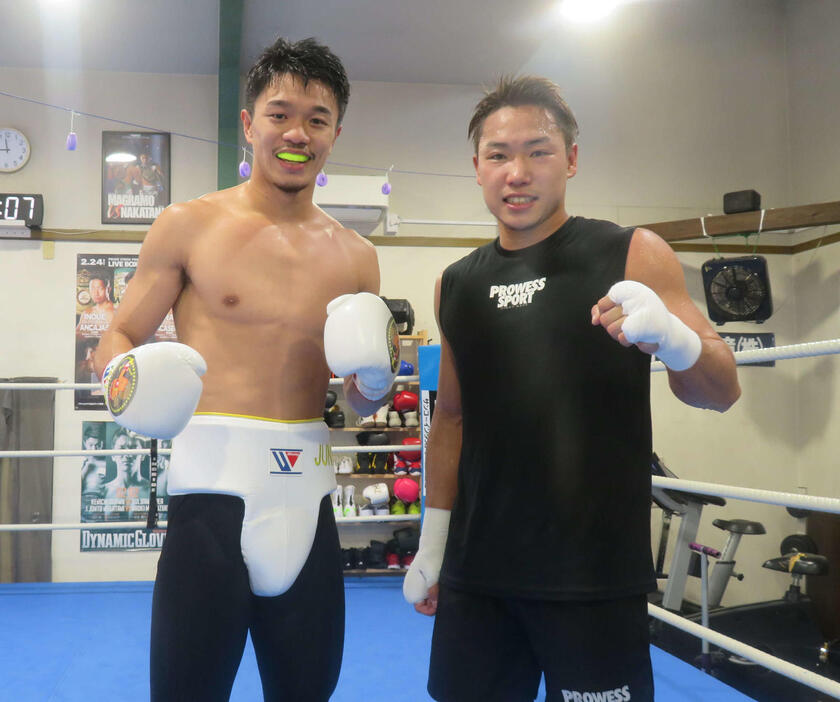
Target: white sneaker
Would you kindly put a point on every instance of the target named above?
(349, 501)
(366, 422)
(345, 466)
(394, 419)
(411, 419)
(366, 510)
(380, 510)
(381, 416)
(336, 503)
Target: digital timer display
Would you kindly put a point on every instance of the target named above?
(16, 206)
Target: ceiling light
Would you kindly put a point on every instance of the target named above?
(584, 11)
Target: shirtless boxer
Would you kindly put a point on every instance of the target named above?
(266, 290)
(538, 481)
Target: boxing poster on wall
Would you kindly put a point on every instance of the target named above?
(135, 176)
(116, 489)
(101, 280)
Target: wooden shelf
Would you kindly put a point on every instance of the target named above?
(399, 380)
(383, 519)
(775, 219)
(356, 430)
(374, 476)
(375, 571)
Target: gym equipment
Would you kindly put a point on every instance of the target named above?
(689, 507)
(785, 628)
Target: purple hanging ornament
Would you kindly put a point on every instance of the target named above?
(70, 143)
(244, 166)
(386, 186)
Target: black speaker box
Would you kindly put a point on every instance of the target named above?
(741, 201)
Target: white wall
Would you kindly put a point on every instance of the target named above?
(667, 128)
(754, 444)
(37, 317)
(814, 98)
(71, 180)
(814, 86)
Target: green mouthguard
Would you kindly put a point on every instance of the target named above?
(297, 158)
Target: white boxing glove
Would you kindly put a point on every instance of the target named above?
(649, 321)
(360, 337)
(424, 570)
(377, 494)
(154, 389)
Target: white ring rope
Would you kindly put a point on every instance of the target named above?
(78, 525)
(50, 386)
(824, 504)
(777, 665)
(776, 353)
(96, 386)
(165, 452)
(98, 526)
(770, 497)
(81, 452)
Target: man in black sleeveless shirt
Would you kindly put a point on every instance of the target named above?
(538, 486)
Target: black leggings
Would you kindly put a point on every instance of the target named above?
(203, 608)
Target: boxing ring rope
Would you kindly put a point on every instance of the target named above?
(92, 526)
(96, 386)
(776, 353)
(785, 499)
(165, 452)
(777, 665)
(81, 452)
(770, 497)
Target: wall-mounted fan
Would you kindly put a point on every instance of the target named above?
(737, 289)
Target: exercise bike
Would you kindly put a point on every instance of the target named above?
(688, 507)
(785, 628)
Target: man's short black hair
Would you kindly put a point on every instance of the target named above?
(512, 91)
(306, 59)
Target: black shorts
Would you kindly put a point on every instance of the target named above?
(203, 609)
(495, 649)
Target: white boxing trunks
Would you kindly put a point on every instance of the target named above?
(281, 470)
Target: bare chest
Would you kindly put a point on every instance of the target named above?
(268, 276)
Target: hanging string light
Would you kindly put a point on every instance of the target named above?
(244, 166)
(70, 142)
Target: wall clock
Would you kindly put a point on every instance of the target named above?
(14, 150)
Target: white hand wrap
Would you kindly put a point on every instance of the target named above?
(360, 337)
(154, 389)
(424, 570)
(649, 321)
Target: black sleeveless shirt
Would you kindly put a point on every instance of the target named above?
(554, 476)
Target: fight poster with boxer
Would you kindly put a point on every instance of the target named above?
(135, 176)
(116, 489)
(101, 280)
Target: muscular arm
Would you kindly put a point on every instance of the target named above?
(712, 382)
(443, 453)
(153, 290)
(443, 447)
